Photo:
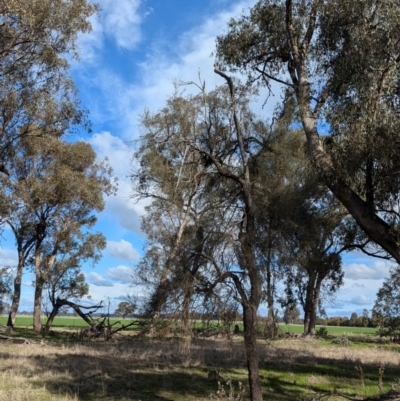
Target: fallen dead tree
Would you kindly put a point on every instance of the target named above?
(104, 329)
(98, 328)
(59, 303)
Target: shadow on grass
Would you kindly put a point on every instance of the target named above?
(153, 370)
(302, 375)
(109, 376)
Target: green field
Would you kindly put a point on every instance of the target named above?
(71, 322)
(332, 330)
(63, 321)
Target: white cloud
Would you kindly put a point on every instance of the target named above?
(98, 280)
(122, 21)
(361, 300)
(125, 211)
(109, 294)
(90, 43)
(115, 150)
(376, 271)
(122, 250)
(183, 60)
(8, 258)
(122, 274)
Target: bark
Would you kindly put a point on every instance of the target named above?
(314, 308)
(250, 307)
(186, 305)
(250, 343)
(17, 293)
(24, 246)
(308, 303)
(51, 317)
(37, 307)
(311, 303)
(39, 281)
(270, 295)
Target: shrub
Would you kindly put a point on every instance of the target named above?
(322, 332)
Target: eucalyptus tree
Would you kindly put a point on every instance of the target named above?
(213, 135)
(277, 171)
(54, 189)
(125, 309)
(386, 311)
(318, 232)
(37, 95)
(199, 161)
(24, 233)
(171, 176)
(65, 283)
(338, 62)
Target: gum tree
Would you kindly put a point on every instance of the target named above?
(58, 186)
(37, 95)
(338, 64)
(199, 162)
(386, 310)
(317, 230)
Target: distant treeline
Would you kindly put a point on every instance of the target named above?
(346, 322)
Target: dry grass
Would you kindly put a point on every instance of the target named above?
(177, 370)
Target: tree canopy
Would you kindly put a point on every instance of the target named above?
(37, 95)
(338, 64)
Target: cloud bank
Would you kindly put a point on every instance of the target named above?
(122, 250)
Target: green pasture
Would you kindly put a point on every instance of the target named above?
(62, 321)
(72, 321)
(332, 330)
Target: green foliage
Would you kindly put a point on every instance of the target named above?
(125, 309)
(342, 340)
(337, 63)
(53, 190)
(386, 310)
(291, 314)
(322, 331)
(38, 98)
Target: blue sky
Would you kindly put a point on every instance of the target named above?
(129, 61)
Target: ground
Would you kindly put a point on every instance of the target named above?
(177, 369)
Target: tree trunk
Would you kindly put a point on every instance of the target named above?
(188, 292)
(314, 306)
(270, 287)
(250, 343)
(308, 305)
(270, 329)
(17, 293)
(306, 321)
(37, 307)
(311, 305)
(51, 317)
(77, 308)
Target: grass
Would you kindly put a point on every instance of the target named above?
(332, 330)
(77, 322)
(62, 321)
(176, 369)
